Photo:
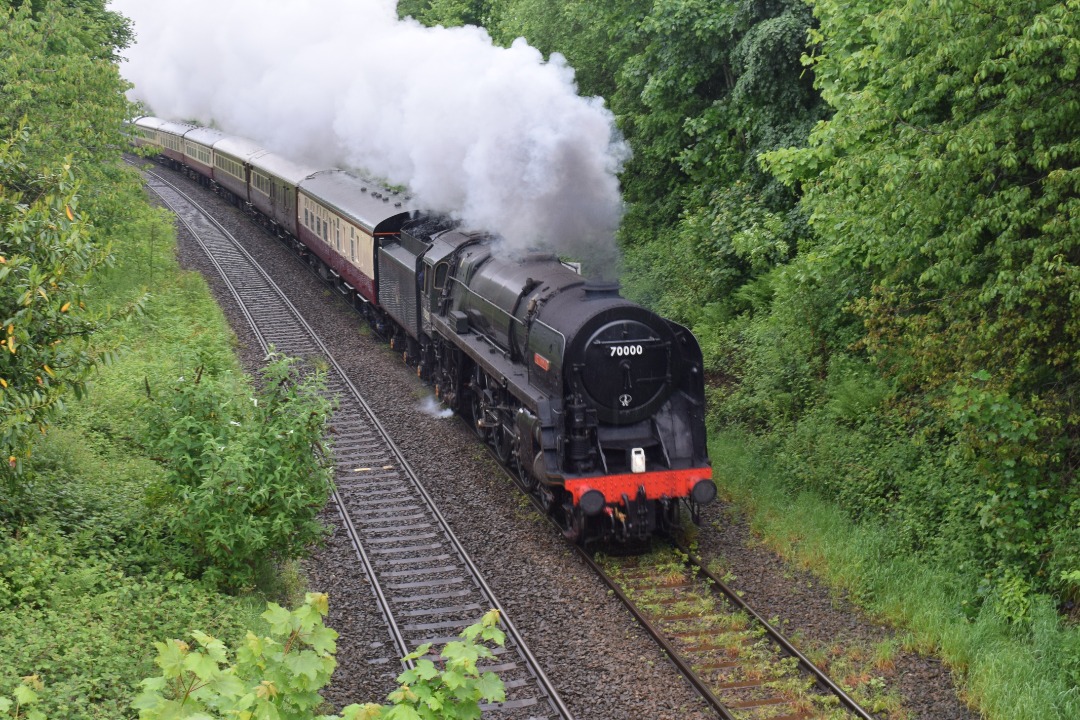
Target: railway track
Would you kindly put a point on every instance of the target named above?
(742, 666)
(427, 587)
(740, 663)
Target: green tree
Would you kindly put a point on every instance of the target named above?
(596, 38)
(945, 197)
(46, 342)
(713, 86)
(61, 111)
(103, 30)
(449, 13)
(59, 72)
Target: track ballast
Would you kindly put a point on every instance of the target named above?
(427, 587)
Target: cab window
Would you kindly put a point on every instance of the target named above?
(441, 271)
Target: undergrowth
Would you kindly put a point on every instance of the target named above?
(87, 576)
(1009, 669)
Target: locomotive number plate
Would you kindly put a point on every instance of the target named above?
(626, 350)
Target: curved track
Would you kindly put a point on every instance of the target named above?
(426, 586)
(742, 686)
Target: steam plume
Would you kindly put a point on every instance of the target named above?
(497, 137)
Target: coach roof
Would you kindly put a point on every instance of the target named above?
(363, 200)
(204, 136)
(281, 167)
(240, 148)
(173, 128)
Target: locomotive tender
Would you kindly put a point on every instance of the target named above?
(595, 403)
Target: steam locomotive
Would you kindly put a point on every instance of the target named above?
(595, 403)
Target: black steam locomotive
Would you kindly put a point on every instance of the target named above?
(597, 404)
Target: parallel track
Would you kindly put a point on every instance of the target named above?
(708, 677)
(426, 585)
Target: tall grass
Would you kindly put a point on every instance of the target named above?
(1007, 671)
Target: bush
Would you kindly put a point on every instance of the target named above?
(280, 674)
(246, 474)
(82, 625)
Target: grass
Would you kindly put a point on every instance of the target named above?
(85, 582)
(1008, 672)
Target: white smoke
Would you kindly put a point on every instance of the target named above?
(430, 406)
(498, 137)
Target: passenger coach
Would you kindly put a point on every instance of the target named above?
(341, 220)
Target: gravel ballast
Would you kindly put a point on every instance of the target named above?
(603, 664)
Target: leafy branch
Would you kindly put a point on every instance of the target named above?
(280, 675)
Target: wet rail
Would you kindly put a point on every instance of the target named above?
(427, 587)
(743, 666)
(739, 663)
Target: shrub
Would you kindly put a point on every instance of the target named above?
(83, 625)
(279, 675)
(246, 474)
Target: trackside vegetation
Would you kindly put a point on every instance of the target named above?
(279, 675)
(95, 561)
(152, 496)
(869, 214)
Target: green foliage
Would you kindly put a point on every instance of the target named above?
(85, 584)
(246, 474)
(45, 257)
(59, 73)
(82, 623)
(1018, 502)
(1010, 671)
(279, 675)
(716, 266)
(449, 13)
(596, 38)
(274, 676)
(945, 192)
(22, 698)
(59, 70)
(453, 692)
(61, 107)
(711, 86)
